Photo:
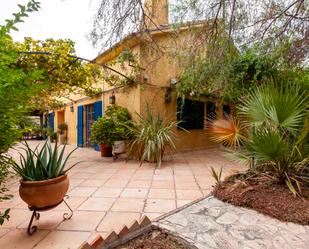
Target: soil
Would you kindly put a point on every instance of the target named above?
(265, 196)
(157, 239)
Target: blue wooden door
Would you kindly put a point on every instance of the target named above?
(52, 121)
(98, 112)
(80, 126)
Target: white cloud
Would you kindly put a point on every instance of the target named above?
(65, 19)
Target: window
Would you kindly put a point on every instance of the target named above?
(226, 111)
(211, 111)
(190, 113)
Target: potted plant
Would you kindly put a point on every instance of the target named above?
(101, 134)
(44, 180)
(51, 134)
(121, 125)
(62, 130)
(151, 136)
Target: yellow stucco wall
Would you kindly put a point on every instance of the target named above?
(158, 70)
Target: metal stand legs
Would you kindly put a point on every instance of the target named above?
(35, 214)
(32, 229)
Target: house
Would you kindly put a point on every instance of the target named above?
(154, 85)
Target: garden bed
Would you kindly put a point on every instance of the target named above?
(157, 239)
(265, 196)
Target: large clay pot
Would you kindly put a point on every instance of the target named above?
(106, 151)
(44, 194)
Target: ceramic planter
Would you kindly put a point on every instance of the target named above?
(44, 194)
(119, 147)
(62, 138)
(106, 151)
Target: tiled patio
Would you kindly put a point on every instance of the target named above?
(106, 195)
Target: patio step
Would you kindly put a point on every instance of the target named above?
(114, 239)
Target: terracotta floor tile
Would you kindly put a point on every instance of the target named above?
(102, 176)
(73, 202)
(116, 183)
(164, 171)
(188, 194)
(159, 205)
(161, 193)
(82, 191)
(206, 185)
(163, 177)
(163, 184)
(182, 178)
(82, 221)
(108, 192)
(186, 185)
(75, 182)
(181, 203)
(92, 183)
(19, 239)
(97, 204)
(145, 177)
(139, 184)
(48, 220)
(17, 217)
(116, 220)
(81, 175)
(128, 205)
(4, 231)
(153, 216)
(134, 193)
(66, 239)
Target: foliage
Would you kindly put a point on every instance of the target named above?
(42, 164)
(15, 89)
(152, 135)
(4, 172)
(130, 68)
(62, 128)
(216, 175)
(113, 126)
(277, 133)
(101, 131)
(51, 134)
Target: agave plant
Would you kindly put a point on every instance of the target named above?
(277, 133)
(151, 137)
(42, 164)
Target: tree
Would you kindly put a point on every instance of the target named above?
(34, 75)
(266, 25)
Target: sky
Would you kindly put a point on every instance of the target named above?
(57, 19)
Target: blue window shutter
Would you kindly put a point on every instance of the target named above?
(52, 121)
(98, 112)
(80, 128)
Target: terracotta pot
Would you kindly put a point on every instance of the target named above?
(44, 194)
(106, 151)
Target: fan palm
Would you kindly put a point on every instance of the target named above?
(277, 132)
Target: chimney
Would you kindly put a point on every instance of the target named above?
(155, 14)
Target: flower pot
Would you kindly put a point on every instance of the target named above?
(44, 194)
(119, 147)
(62, 138)
(106, 151)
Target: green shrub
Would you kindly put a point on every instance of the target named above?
(114, 126)
(62, 128)
(43, 164)
(151, 137)
(276, 140)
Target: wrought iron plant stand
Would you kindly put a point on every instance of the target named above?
(36, 214)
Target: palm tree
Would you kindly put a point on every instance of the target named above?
(274, 131)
